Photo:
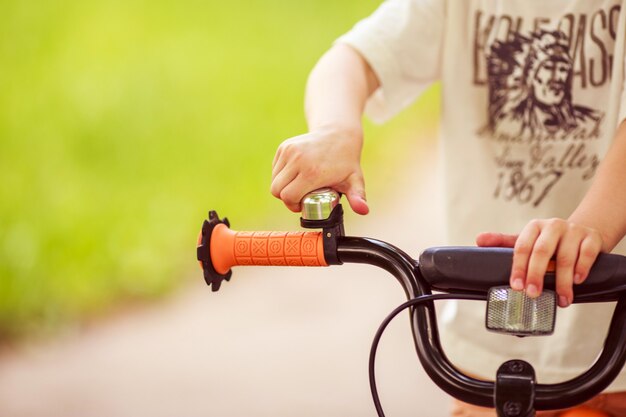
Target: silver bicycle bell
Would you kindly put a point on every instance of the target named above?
(318, 204)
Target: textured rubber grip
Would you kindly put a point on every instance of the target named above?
(230, 248)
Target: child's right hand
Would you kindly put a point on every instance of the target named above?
(573, 246)
(320, 158)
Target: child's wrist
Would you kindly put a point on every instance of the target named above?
(338, 129)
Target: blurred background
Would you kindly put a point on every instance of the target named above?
(121, 124)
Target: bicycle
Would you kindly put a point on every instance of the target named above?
(467, 273)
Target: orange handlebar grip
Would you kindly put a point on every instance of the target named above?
(230, 248)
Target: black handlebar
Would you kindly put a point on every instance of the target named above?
(440, 269)
(470, 272)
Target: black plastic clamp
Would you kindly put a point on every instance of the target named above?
(212, 278)
(515, 389)
(332, 230)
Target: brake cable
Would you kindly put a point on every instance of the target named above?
(381, 329)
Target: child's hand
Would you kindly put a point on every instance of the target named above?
(324, 158)
(574, 247)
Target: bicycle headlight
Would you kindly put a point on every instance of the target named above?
(513, 312)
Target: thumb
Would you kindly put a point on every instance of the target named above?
(490, 239)
(356, 195)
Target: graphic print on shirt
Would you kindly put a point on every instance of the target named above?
(530, 90)
(541, 130)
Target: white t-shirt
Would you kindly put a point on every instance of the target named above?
(533, 91)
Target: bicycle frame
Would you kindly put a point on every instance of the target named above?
(217, 253)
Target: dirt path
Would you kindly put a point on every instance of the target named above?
(273, 342)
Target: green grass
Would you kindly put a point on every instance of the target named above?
(122, 122)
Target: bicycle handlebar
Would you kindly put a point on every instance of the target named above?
(446, 269)
(465, 270)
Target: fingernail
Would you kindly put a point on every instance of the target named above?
(577, 279)
(517, 284)
(532, 291)
(563, 301)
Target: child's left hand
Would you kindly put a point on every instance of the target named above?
(574, 247)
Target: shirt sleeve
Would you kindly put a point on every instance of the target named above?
(402, 42)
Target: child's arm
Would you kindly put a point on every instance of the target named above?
(329, 155)
(597, 225)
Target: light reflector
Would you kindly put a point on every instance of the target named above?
(513, 312)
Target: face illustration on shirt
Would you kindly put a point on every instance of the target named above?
(549, 82)
(530, 88)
